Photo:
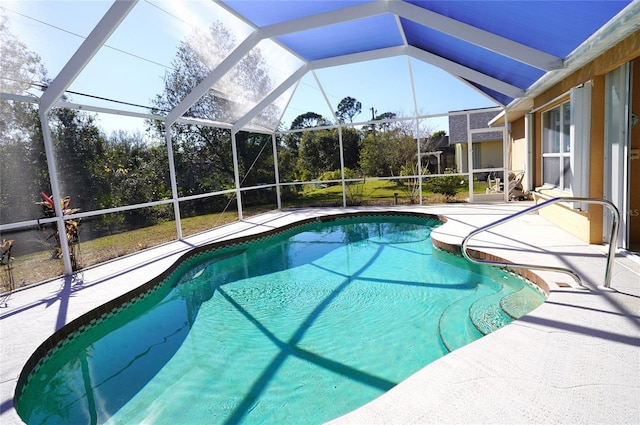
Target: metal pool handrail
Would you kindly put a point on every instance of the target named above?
(612, 242)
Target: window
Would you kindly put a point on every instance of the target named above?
(556, 146)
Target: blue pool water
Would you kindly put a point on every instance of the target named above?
(297, 328)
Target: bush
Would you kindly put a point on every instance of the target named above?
(335, 175)
(446, 185)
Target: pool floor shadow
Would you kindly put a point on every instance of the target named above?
(289, 348)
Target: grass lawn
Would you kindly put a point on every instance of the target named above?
(39, 266)
(374, 192)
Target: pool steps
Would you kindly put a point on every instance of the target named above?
(450, 333)
(485, 314)
(519, 303)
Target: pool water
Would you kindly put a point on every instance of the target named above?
(296, 328)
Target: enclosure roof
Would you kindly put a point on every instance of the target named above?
(501, 47)
(504, 49)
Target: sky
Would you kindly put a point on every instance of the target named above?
(131, 66)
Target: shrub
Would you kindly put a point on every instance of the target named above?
(335, 175)
(446, 185)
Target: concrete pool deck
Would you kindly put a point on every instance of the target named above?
(574, 359)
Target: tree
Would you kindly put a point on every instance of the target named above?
(320, 151)
(79, 148)
(383, 126)
(21, 68)
(24, 169)
(348, 108)
(202, 154)
(307, 120)
(288, 151)
(131, 172)
(385, 153)
(447, 185)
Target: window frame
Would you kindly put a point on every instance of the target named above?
(563, 151)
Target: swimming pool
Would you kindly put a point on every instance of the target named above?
(299, 327)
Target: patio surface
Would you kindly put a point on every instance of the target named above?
(575, 359)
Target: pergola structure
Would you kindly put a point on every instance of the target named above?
(506, 50)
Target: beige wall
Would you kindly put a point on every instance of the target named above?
(588, 226)
(490, 155)
(518, 142)
(634, 195)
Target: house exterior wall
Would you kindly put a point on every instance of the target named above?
(588, 225)
(490, 155)
(517, 160)
(487, 144)
(634, 198)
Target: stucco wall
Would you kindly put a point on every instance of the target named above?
(589, 226)
(490, 155)
(634, 195)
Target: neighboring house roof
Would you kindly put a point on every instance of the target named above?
(478, 119)
(435, 143)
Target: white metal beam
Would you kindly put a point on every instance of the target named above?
(18, 97)
(174, 184)
(276, 171)
(477, 90)
(387, 52)
(477, 36)
(236, 174)
(353, 13)
(270, 31)
(466, 72)
(447, 65)
(55, 191)
(325, 97)
(405, 10)
(89, 47)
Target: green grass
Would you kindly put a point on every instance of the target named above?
(39, 266)
(374, 192)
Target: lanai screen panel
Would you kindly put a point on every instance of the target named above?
(269, 119)
(500, 47)
(438, 92)
(42, 28)
(265, 68)
(269, 12)
(363, 81)
(159, 45)
(131, 66)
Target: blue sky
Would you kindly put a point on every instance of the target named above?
(132, 65)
